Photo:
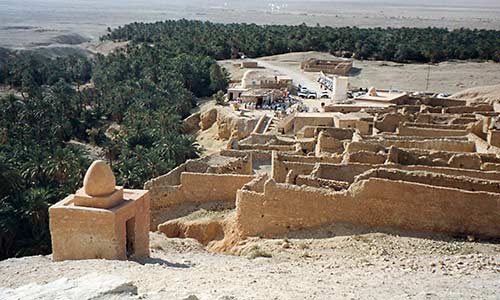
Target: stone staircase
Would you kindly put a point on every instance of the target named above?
(272, 126)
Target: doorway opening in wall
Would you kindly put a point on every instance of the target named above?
(130, 237)
(259, 103)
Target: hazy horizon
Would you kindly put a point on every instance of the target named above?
(36, 22)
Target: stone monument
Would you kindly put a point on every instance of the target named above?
(101, 220)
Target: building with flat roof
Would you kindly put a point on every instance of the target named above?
(338, 66)
(387, 97)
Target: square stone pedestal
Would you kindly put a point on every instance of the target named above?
(119, 232)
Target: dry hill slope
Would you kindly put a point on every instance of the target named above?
(489, 93)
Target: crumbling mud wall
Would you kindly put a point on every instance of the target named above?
(282, 164)
(435, 179)
(327, 145)
(231, 125)
(372, 202)
(428, 165)
(407, 130)
(444, 144)
(281, 169)
(300, 121)
(341, 172)
(390, 122)
(196, 188)
(216, 163)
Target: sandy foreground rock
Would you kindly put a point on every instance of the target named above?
(92, 286)
(359, 266)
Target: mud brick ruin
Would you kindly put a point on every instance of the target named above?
(424, 165)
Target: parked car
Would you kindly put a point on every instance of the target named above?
(443, 95)
(303, 89)
(302, 95)
(324, 95)
(312, 95)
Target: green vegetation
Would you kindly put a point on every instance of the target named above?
(142, 92)
(256, 251)
(395, 44)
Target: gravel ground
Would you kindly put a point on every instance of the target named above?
(358, 266)
(449, 77)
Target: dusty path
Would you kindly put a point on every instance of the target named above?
(293, 72)
(449, 77)
(364, 266)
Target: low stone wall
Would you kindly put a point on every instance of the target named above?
(444, 102)
(215, 163)
(328, 144)
(451, 145)
(435, 179)
(300, 121)
(407, 130)
(390, 122)
(373, 202)
(257, 155)
(469, 109)
(301, 165)
(195, 189)
(265, 139)
(305, 159)
(280, 169)
(318, 182)
(174, 176)
(342, 172)
(199, 187)
(494, 137)
(257, 184)
(484, 174)
(363, 146)
(285, 148)
(286, 124)
(365, 157)
(438, 126)
(435, 158)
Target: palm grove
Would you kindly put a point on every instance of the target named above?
(145, 90)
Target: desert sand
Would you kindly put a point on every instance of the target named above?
(446, 77)
(361, 266)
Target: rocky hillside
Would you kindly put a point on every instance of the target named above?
(489, 93)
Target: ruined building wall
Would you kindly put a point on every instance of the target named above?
(408, 130)
(482, 146)
(469, 109)
(241, 165)
(342, 172)
(194, 189)
(328, 145)
(445, 102)
(372, 202)
(199, 187)
(389, 122)
(257, 155)
(280, 169)
(444, 144)
(300, 121)
(435, 179)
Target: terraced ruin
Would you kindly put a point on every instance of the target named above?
(422, 165)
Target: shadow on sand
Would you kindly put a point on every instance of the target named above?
(355, 71)
(161, 262)
(345, 229)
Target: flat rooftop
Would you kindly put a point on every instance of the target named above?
(381, 97)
